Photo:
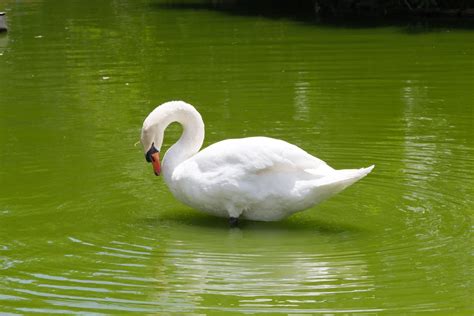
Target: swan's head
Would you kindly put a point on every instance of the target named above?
(151, 140)
(156, 123)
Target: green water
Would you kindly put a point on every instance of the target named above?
(85, 226)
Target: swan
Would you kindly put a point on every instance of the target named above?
(254, 178)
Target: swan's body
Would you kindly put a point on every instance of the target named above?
(256, 178)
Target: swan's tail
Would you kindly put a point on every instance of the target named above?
(346, 177)
(336, 181)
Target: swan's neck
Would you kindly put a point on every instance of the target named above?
(188, 144)
(191, 138)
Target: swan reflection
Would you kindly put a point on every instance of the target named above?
(273, 268)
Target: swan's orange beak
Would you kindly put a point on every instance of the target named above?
(155, 161)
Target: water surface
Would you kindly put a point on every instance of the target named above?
(86, 227)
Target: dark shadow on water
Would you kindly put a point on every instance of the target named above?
(197, 219)
(303, 12)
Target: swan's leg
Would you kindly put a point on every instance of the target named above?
(234, 215)
(233, 222)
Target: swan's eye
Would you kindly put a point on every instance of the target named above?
(150, 152)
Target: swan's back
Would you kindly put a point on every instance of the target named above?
(254, 154)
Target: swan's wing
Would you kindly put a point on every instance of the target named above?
(254, 156)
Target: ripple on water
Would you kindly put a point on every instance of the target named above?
(95, 278)
(176, 274)
(261, 268)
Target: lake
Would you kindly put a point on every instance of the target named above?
(85, 226)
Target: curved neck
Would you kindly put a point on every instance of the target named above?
(188, 144)
(191, 138)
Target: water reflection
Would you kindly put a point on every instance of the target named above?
(275, 270)
(179, 262)
(427, 152)
(188, 268)
(301, 98)
(420, 149)
(3, 43)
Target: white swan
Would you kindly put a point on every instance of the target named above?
(256, 178)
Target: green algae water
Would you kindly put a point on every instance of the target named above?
(86, 228)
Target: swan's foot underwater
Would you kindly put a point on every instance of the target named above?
(233, 222)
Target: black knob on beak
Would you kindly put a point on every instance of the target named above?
(150, 152)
